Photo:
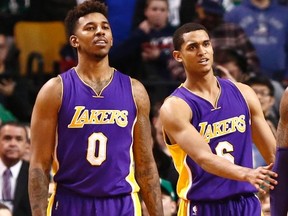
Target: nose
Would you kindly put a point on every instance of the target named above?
(13, 142)
(99, 31)
(201, 50)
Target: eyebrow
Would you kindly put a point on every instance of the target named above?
(101, 22)
(195, 43)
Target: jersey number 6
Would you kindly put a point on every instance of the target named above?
(224, 149)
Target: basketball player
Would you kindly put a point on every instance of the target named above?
(92, 122)
(208, 124)
(279, 196)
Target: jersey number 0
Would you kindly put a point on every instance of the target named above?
(97, 146)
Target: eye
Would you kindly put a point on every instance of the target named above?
(192, 47)
(106, 27)
(206, 44)
(90, 28)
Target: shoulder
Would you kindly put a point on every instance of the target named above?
(250, 98)
(243, 88)
(140, 94)
(50, 94)
(137, 87)
(173, 107)
(54, 85)
(246, 91)
(238, 85)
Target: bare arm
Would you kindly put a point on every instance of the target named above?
(43, 130)
(282, 129)
(175, 115)
(279, 198)
(145, 166)
(261, 132)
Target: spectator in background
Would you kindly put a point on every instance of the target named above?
(16, 92)
(26, 155)
(169, 199)
(264, 90)
(11, 11)
(13, 143)
(146, 52)
(226, 34)
(265, 203)
(180, 12)
(49, 10)
(230, 63)
(266, 24)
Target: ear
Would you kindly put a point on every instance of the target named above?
(177, 56)
(74, 41)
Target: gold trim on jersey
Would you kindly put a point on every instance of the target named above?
(185, 176)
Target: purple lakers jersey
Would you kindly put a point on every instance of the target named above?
(226, 128)
(93, 153)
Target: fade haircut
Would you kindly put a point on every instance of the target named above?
(188, 27)
(87, 7)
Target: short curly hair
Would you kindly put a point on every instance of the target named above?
(88, 6)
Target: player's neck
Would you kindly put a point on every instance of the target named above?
(200, 83)
(207, 88)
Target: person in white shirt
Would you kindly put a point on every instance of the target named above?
(14, 188)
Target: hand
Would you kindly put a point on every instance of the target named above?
(224, 73)
(263, 178)
(144, 26)
(150, 52)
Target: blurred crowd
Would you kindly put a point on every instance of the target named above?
(249, 37)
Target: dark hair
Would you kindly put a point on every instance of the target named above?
(87, 7)
(188, 27)
(16, 124)
(261, 80)
(226, 55)
(147, 3)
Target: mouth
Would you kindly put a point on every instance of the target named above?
(11, 152)
(100, 42)
(203, 61)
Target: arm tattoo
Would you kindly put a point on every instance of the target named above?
(38, 191)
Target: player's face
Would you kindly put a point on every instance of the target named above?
(196, 52)
(93, 35)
